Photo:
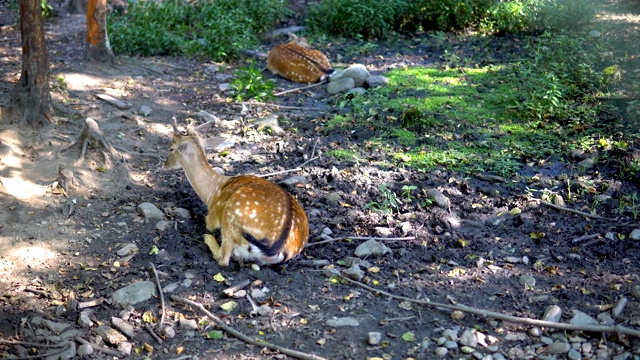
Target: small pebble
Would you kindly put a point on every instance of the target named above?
(374, 338)
(441, 352)
(85, 350)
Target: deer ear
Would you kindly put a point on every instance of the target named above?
(182, 148)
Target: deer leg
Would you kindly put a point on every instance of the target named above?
(211, 242)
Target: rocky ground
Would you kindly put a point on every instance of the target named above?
(75, 264)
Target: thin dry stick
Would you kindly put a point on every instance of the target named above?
(243, 337)
(585, 237)
(155, 275)
(100, 348)
(330, 240)
(26, 343)
(299, 167)
(153, 333)
(282, 107)
(51, 354)
(300, 88)
(499, 316)
(562, 208)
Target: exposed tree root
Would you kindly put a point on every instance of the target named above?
(92, 135)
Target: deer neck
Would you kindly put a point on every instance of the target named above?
(204, 180)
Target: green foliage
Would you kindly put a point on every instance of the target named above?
(47, 9)
(388, 201)
(251, 83)
(218, 29)
(516, 16)
(354, 18)
(557, 72)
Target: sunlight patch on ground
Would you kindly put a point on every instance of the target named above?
(14, 182)
(79, 82)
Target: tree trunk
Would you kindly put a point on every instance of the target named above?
(31, 97)
(98, 47)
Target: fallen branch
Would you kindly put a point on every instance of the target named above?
(578, 212)
(235, 333)
(330, 239)
(508, 318)
(585, 237)
(299, 167)
(153, 333)
(301, 88)
(26, 343)
(100, 348)
(282, 107)
(155, 275)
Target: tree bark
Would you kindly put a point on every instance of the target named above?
(31, 97)
(98, 47)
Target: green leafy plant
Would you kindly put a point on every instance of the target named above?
(389, 201)
(47, 9)
(250, 82)
(406, 192)
(219, 29)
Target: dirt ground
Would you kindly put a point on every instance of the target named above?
(475, 252)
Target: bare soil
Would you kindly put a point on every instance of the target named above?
(472, 253)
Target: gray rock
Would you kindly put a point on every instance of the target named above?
(84, 350)
(594, 34)
(54, 327)
(438, 198)
(535, 331)
(468, 338)
(169, 288)
(342, 85)
(122, 326)
(383, 231)
(341, 322)
(188, 324)
(574, 354)
(603, 354)
(624, 356)
(181, 213)
(258, 294)
(125, 348)
(635, 291)
(450, 344)
(450, 334)
(134, 293)
(376, 81)
(635, 234)
(211, 69)
(353, 273)
(515, 337)
(527, 280)
(84, 320)
(224, 87)
(69, 353)
(602, 198)
(110, 335)
(618, 308)
(149, 211)
(163, 225)
(145, 110)
(441, 352)
(552, 313)
(605, 319)
(357, 72)
(128, 249)
(587, 164)
(71, 334)
(168, 332)
(558, 347)
(294, 180)
(371, 248)
(582, 319)
(374, 338)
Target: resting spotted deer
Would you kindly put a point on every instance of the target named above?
(255, 219)
(294, 61)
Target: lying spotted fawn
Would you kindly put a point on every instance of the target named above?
(257, 220)
(294, 61)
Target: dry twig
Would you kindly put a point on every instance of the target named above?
(243, 337)
(508, 318)
(578, 212)
(330, 239)
(100, 348)
(153, 333)
(155, 275)
(281, 107)
(301, 88)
